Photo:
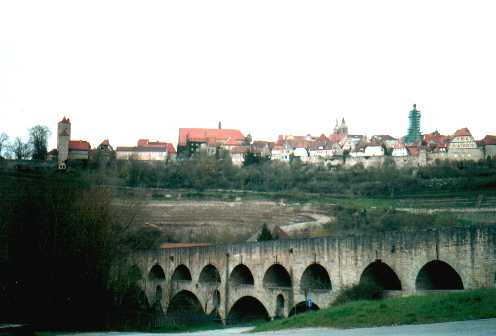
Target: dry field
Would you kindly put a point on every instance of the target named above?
(221, 221)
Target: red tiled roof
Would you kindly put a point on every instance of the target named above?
(435, 138)
(489, 140)
(462, 132)
(80, 145)
(105, 143)
(232, 142)
(65, 120)
(204, 134)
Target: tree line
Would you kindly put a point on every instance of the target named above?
(272, 176)
(34, 148)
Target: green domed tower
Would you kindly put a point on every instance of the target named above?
(414, 136)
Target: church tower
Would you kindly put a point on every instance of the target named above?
(63, 138)
(341, 129)
(414, 136)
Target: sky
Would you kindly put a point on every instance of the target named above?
(125, 70)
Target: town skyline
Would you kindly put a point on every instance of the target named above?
(133, 136)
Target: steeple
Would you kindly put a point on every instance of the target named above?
(220, 125)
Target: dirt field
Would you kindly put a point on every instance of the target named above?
(221, 221)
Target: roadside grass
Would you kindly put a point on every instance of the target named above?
(429, 308)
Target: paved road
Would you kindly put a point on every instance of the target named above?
(471, 328)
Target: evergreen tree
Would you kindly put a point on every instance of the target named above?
(265, 234)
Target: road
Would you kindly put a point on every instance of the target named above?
(472, 328)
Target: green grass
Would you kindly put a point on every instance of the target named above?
(468, 305)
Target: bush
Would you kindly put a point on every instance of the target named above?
(365, 290)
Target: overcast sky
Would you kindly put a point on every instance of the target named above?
(125, 70)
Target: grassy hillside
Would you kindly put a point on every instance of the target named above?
(469, 305)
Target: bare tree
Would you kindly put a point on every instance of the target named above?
(3, 142)
(38, 138)
(20, 149)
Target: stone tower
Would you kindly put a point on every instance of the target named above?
(63, 138)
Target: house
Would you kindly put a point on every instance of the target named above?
(300, 153)
(103, 153)
(399, 150)
(263, 148)
(192, 140)
(489, 146)
(79, 150)
(281, 153)
(294, 141)
(325, 151)
(238, 155)
(463, 146)
(350, 142)
(374, 151)
(384, 139)
(147, 151)
(105, 147)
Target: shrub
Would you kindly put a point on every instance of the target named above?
(365, 290)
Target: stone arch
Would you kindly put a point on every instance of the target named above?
(185, 306)
(280, 302)
(277, 276)
(156, 273)
(302, 307)
(382, 275)
(181, 273)
(438, 275)
(247, 309)
(209, 275)
(241, 276)
(315, 276)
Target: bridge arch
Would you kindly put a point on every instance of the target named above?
(241, 276)
(181, 273)
(302, 307)
(156, 273)
(316, 277)
(185, 304)
(247, 308)
(277, 276)
(438, 275)
(382, 275)
(209, 275)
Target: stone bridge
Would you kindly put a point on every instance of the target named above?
(278, 278)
